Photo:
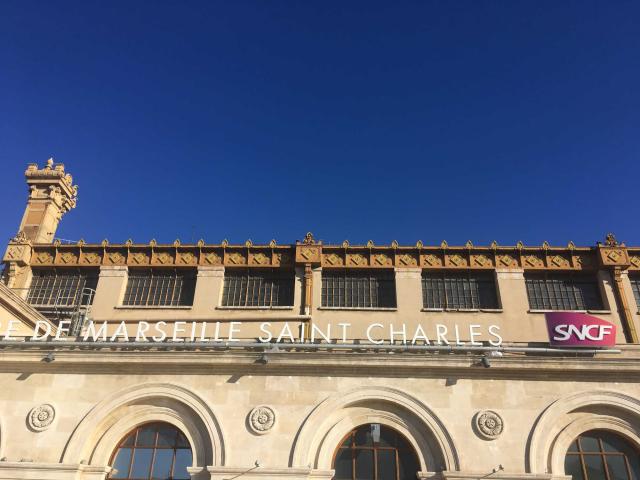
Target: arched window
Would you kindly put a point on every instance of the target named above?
(602, 455)
(152, 451)
(375, 452)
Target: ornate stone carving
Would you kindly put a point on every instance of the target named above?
(357, 260)
(68, 258)
(43, 257)
(41, 417)
(262, 419)
(488, 424)
(212, 258)
(260, 259)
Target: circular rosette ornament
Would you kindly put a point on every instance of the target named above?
(41, 417)
(262, 419)
(488, 424)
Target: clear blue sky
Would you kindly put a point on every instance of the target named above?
(426, 120)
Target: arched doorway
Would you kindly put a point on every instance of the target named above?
(375, 452)
(152, 451)
(602, 455)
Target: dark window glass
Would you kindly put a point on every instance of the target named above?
(360, 457)
(152, 451)
(160, 287)
(258, 288)
(555, 291)
(62, 287)
(602, 455)
(358, 289)
(635, 286)
(453, 290)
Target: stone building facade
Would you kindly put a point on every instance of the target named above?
(309, 361)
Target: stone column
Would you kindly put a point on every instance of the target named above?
(512, 290)
(409, 290)
(208, 293)
(112, 283)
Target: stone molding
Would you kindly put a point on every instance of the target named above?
(97, 435)
(338, 414)
(252, 473)
(113, 271)
(51, 471)
(561, 422)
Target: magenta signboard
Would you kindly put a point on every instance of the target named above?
(571, 329)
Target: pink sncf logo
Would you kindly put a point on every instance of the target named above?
(571, 329)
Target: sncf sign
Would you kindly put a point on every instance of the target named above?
(571, 329)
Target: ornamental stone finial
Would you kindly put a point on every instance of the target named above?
(610, 240)
(308, 239)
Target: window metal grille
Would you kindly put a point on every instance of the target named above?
(602, 455)
(156, 451)
(455, 290)
(550, 291)
(358, 289)
(160, 287)
(258, 288)
(635, 286)
(68, 287)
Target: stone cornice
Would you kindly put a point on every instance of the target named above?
(623, 367)
(519, 257)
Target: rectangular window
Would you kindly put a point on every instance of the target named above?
(62, 287)
(562, 291)
(358, 289)
(258, 288)
(635, 286)
(160, 287)
(459, 290)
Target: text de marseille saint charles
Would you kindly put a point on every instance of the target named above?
(180, 331)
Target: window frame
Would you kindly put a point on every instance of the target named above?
(61, 283)
(147, 291)
(473, 277)
(135, 431)
(634, 280)
(549, 290)
(383, 277)
(602, 453)
(268, 279)
(408, 448)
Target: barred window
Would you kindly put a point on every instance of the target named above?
(553, 291)
(635, 286)
(62, 287)
(160, 287)
(454, 290)
(257, 288)
(358, 289)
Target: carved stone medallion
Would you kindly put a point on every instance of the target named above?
(488, 424)
(41, 417)
(262, 419)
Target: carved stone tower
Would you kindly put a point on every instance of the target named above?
(51, 195)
